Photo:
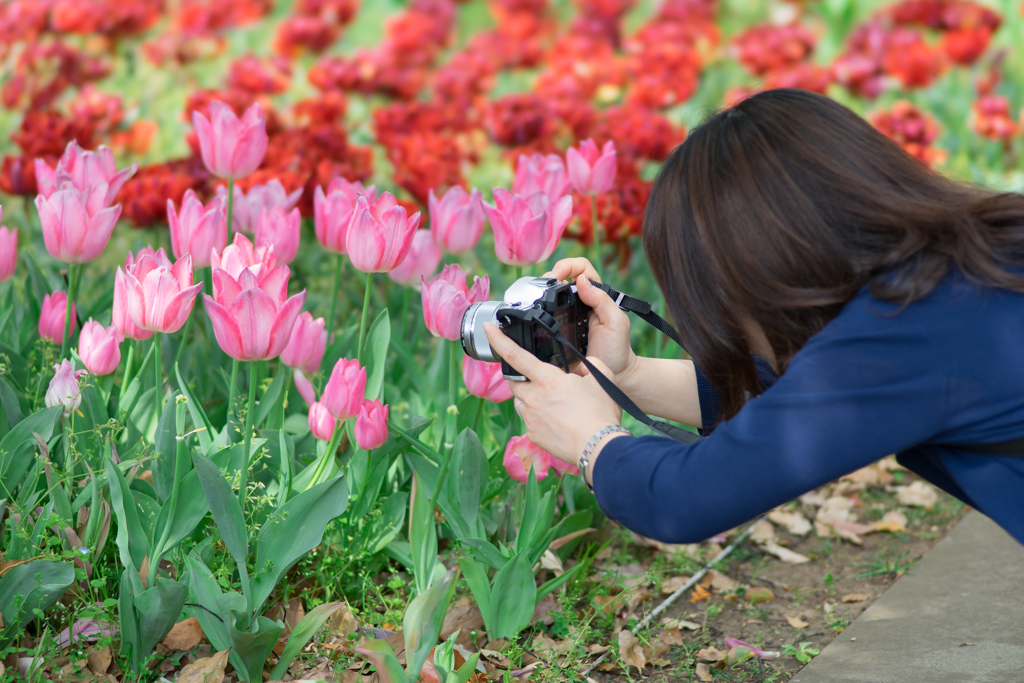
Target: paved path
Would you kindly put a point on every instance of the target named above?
(969, 588)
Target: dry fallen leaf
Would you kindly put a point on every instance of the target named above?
(463, 618)
(700, 593)
(343, 622)
(703, 672)
(184, 635)
(785, 554)
(99, 661)
(918, 494)
(856, 597)
(630, 650)
(763, 531)
(892, 521)
(721, 582)
(797, 622)
(205, 670)
(759, 594)
(671, 636)
(710, 654)
(8, 565)
(671, 585)
(553, 562)
(793, 521)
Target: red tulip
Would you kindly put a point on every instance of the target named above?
(199, 230)
(64, 389)
(371, 427)
(446, 298)
(321, 422)
(380, 234)
(77, 224)
(526, 231)
(592, 171)
(100, 347)
(231, 147)
(345, 390)
(51, 317)
(457, 219)
(332, 212)
(520, 454)
(245, 210)
(421, 261)
(280, 229)
(252, 316)
(540, 173)
(160, 295)
(84, 169)
(306, 346)
(485, 380)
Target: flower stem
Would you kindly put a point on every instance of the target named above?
(366, 314)
(453, 373)
(127, 372)
(519, 272)
(231, 204)
(595, 253)
(324, 463)
(180, 455)
(184, 337)
(243, 485)
(234, 386)
(334, 296)
(287, 390)
(451, 419)
(66, 342)
(158, 398)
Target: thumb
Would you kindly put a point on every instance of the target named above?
(597, 299)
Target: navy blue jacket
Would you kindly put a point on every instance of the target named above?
(948, 368)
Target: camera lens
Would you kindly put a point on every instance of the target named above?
(474, 340)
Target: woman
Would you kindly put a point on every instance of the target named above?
(841, 302)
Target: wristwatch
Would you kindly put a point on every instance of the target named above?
(584, 461)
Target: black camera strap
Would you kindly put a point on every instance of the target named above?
(627, 303)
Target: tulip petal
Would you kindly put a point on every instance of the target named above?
(602, 175)
(249, 150)
(305, 388)
(136, 301)
(204, 131)
(579, 171)
(255, 313)
(97, 233)
(284, 321)
(225, 287)
(225, 328)
(178, 309)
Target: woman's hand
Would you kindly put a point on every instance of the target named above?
(561, 411)
(609, 325)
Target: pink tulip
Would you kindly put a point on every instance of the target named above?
(100, 347)
(332, 212)
(321, 422)
(231, 147)
(564, 467)
(281, 230)
(77, 224)
(539, 173)
(253, 317)
(756, 651)
(520, 454)
(457, 219)
(380, 234)
(371, 427)
(241, 255)
(485, 380)
(306, 389)
(592, 171)
(64, 389)
(306, 346)
(421, 261)
(9, 251)
(120, 317)
(160, 296)
(84, 169)
(446, 298)
(345, 390)
(51, 317)
(246, 208)
(199, 230)
(526, 231)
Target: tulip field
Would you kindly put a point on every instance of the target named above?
(239, 437)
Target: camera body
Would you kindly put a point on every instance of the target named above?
(558, 299)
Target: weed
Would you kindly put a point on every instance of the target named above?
(885, 565)
(804, 653)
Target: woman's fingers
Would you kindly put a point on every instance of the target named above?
(570, 268)
(525, 363)
(598, 300)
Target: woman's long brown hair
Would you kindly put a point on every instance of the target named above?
(782, 208)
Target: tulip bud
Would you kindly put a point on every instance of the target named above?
(231, 147)
(345, 390)
(100, 347)
(456, 220)
(332, 212)
(321, 422)
(84, 169)
(421, 261)
(280, 229)
(371, 428)
(199, 230)
(446, 298)
(9, 251)
(539, 173)
(485, 380)
(64, 389)
(380, 234)
(520, 454)
(307, 344)
(51, 317)
(592, 171)
(76, 223)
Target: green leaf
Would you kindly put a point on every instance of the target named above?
(35, 585)
(300, 635)
(9, 399)
(192, 507)
(531, 513)
(370, 489)
(227, 513)
(467, 480)
(131, 586)
(293, 530)
(377, 341)
(17, 446)
(204, 591)
(166, 447)
(250, 649)
(476, 579)
(424, 618)
(270, 398)
(390, 523)
(131, 537)
(485, 551)
(380, 654)
(199, 419)
(513, 598)
(157, 609)
(422, 534)
(554, 583)
(466, 670)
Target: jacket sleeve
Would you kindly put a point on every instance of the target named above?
(848, 398)
(711, 403)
